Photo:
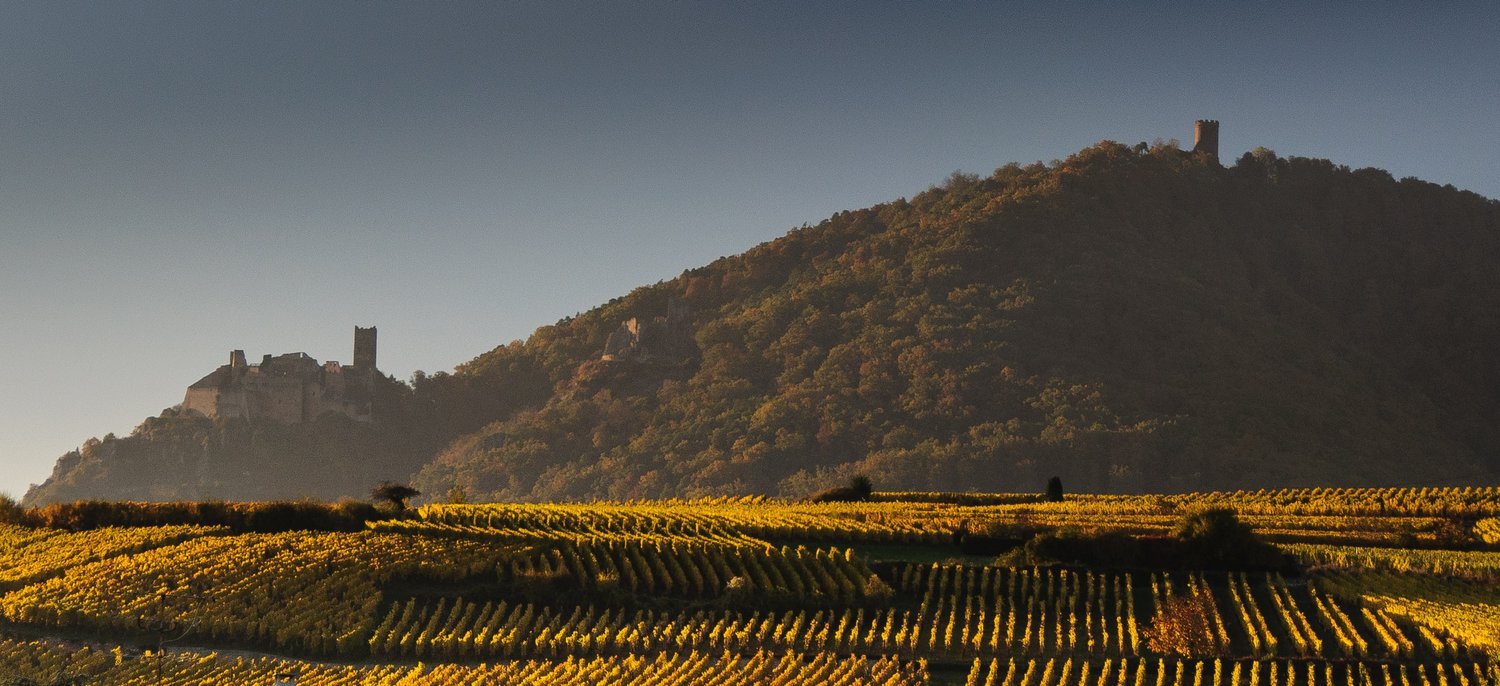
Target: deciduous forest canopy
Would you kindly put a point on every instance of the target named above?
(1128, 319)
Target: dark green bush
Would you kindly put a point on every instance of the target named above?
(1211, 539)
(1214, 538)
(1054, 490)
(859, 489)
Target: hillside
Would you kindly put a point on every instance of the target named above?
(180, 456)
(1129, 319)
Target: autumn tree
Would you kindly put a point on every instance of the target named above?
(1184, 626)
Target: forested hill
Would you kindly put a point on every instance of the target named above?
(1127, 319)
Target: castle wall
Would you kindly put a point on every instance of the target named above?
(279, 399)
(204, 401)
(233, 403)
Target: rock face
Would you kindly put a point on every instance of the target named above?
(666, 339)
(290, 388)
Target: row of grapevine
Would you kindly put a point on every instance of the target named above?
(1304, 639)
(704, 569)
(1466, 501)
(34, 554)
(523, 534)
(309, 592)
(1038, 611)
(673, 564)
(1358, 516)
(1159, 672)
(951, 628)
(848, 522)
(1263, 641)
(1353, 530)
(319, 593)
(47, 662)
(1444, 609)
(997, 615)
(1476, 565)
(1041, 611)
(13, 537)
(1463, 501)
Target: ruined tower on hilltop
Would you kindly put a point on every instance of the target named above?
(364, 348)
(1206, 137)
(290, 388)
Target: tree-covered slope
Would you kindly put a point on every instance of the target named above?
(182, 456)
(1127, 319)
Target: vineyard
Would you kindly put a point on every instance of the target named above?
(1393, 587)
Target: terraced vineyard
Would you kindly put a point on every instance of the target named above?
(1396, 587)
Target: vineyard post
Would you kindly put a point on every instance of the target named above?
(167, 620)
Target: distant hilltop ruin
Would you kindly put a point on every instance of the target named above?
(290, 388)
(660, 339)
(1206, 137)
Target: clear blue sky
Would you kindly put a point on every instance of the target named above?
(180, 179)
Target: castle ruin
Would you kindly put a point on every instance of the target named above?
(290, 388)
(1206, 137)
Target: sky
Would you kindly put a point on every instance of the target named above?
(179, 179)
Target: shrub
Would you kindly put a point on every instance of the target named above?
(1214, 538)
(859, 489)
(1073, 546)
(1454, 533)
(1205, 539)
(1054, 490)
(11, 512)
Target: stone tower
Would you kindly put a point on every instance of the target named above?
(1206, 137)
(364, 348)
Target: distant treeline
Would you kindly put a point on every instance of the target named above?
(261, 517)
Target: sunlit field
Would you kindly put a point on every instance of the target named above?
(1363, 587)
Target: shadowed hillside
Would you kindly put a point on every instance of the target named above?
(1127, 319)
(183, 456)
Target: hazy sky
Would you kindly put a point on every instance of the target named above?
(181, 179)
